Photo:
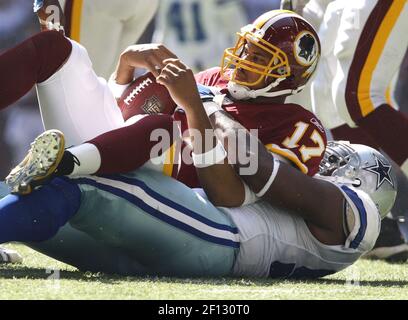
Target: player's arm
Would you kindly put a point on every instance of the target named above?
(218, 178)
(319, 202)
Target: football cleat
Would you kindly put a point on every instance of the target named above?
(40, 163)
(10, 256)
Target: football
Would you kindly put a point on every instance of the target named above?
(145, 96)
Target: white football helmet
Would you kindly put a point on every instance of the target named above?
(364, 168)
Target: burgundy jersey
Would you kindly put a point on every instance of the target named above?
(285, 129)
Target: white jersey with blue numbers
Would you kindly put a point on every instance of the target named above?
(274, 243)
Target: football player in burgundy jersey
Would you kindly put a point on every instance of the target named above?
(149, 224)
(273, 58)
(144, 223)
(248, 80)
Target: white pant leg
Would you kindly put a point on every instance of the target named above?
(386, 52)
(108, 27)
(314, 11)
(322, 101)
(77, 102)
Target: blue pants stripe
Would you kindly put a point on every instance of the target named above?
(160, 215)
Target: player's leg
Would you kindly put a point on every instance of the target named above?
(77, 102)
(125, 149)
(33, 61)
(160, 222)
(69, 92)
(97, 30)
(118, 151)
(38, 216)
(75, 248)
(368, 58)
(99, 24)
(390, 245)
(322, 100)
(8, 255)
(354, 135)
(38, 219)
(314, 12)
(155, 220)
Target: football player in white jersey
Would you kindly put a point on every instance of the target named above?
(197, 31)
(162, 227)
(145, 223)
(331, 237)
(104, 27)
(75, 95)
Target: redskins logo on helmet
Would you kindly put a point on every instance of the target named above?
(305, 48)
(293, 48)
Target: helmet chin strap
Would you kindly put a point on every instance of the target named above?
(241, 92)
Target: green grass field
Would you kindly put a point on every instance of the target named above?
(30, 280)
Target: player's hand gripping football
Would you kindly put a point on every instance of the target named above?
(180, 82)
(149, 56)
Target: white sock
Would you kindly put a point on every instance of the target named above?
(89, 159)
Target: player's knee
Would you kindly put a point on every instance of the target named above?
(49, 40)
(52, 50)
(154, 122)
(52, 205)
(164, 121)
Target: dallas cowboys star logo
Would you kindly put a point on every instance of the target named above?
(382, 171)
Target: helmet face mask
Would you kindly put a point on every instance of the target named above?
(339, 160)
(364, 168)
(291, 49)
(277, 66)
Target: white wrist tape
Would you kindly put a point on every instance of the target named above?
(117, 89)
(214, 156)
(268, 184)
